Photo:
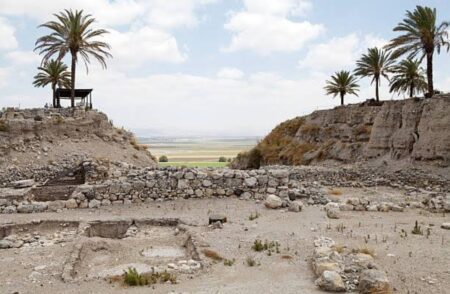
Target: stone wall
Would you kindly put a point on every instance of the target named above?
(121, 183)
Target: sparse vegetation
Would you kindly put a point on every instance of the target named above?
(222, 159)
(268, 246)
(250, 261)
(131, 277)
(229, 262)
(417, 230)
(253, 216)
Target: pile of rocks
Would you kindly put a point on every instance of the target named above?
(435, 202)
(340, 270)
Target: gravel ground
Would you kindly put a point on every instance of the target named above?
(414, 264)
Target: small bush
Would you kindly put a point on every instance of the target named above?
(259, 246)
(133, 278)
(222, 159)
(163, 158)
(250, 261)
(229, 262)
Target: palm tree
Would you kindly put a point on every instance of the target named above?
(408, 76)
(72, 32)
(376, 63)
(421, 37)
(342, 83)
(53, 72)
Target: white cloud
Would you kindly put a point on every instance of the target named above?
(264, 27)
(230, 73)
(170, 14)
(7, 38)
(281, 8)
(162, 13)
(19, 57)
(135, 47)
(339, 52)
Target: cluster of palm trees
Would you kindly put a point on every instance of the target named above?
(71, 32)
(421, 37)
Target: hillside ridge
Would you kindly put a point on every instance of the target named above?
(416, 130)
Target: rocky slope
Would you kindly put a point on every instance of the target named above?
(54, 140)
(412, 129)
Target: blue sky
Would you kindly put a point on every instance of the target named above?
(210, 67)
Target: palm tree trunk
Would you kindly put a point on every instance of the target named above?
(430, 74)
(54, 94)
(377, 94)
(342, 99)
(72, 75)
(411, 90)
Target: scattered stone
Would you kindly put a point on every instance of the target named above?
(213, 218)
(373, 281)
(273, 202)
(446, 226)
(295, 206)
(331, 281)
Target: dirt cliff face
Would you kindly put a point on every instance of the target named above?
(416, 129)
(48, 136)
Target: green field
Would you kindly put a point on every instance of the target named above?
(197, 151)
(195, 164)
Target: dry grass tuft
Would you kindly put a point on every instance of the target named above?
(212, 255)
(335, 191)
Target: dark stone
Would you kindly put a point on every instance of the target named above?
(217, 218)
(238, 192)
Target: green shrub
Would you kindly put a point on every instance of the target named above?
(222, 159)
(133, 278)
(163, 158)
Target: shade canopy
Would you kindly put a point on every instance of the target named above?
(66, 93)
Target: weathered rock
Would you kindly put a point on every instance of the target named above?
(374, 281)
(71, 204)
(23, 183)
(273, 202)
(295, 206)
(94, 203)
(446, 226)
(217, 218)
(331, 281)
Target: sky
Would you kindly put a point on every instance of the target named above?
(209, 67)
